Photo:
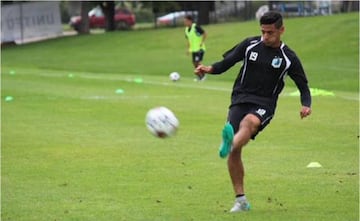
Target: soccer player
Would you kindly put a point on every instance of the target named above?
(195, 36)
(266, 61)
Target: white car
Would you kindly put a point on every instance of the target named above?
(261, 11)
(174, 18)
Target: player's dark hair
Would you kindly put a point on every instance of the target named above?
(189, 17)
(270, 18)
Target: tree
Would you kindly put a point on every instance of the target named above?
(204, 12)
(108, 8)
(84, 26)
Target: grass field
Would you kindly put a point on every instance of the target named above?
(73, 149)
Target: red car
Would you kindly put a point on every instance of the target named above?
(124, 19)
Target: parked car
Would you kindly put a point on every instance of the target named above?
(174, 18)
(124, 19)
(261, 11)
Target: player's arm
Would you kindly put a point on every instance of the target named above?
(187, 45)
(203, 34)
(297, 73)
(231, 57)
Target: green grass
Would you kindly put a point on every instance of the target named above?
(328, 47)
(73, 149)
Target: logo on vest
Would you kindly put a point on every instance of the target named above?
(276, 62)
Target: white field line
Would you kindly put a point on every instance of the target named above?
(167, 84)
(125, 97)
(198, 85)
(131, 79)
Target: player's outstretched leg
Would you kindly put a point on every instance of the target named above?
(248, 126)
(227, 139)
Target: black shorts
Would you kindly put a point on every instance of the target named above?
(239, 111)
(198, 56)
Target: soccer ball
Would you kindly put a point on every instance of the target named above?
(174, 76)
(161, 122)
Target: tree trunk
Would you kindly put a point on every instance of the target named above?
(84, 26)
(108, 9)
(204, 12)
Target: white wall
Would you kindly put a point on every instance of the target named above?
(24, 21)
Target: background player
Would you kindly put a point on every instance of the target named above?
(195, 36)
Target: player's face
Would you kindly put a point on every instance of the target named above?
(187, 22)
(271, 35)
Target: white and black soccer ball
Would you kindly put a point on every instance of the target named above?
(161, 122)
(174, 76)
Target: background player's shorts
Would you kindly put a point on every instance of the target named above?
(198, 56)
(239, 111)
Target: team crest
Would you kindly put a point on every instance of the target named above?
(276, 62)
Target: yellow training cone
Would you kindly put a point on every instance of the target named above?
(314, 165)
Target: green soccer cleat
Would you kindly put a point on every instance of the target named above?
(227, 136)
